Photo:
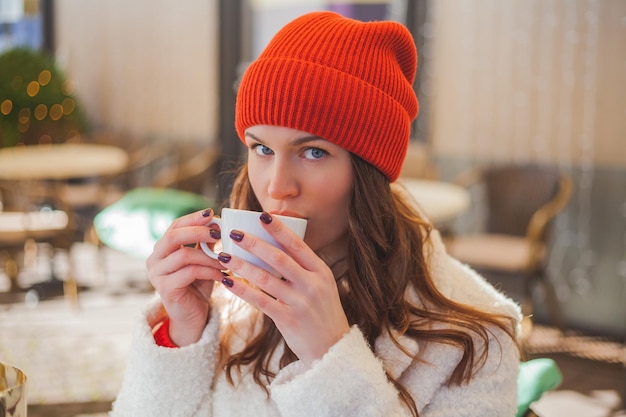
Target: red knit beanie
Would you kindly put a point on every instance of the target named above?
(347, 81)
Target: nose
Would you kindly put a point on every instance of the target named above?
(283, 181)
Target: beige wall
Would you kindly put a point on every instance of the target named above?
(143, 67)
(542, 81)
(529, 80)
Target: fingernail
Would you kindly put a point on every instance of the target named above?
(207, 213)
(236, 235)
(223, 257)
(215, 234)
(228, 282)
(266, 217)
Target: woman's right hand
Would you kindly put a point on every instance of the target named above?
(184, 276)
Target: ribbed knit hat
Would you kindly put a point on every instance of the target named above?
(347, 81)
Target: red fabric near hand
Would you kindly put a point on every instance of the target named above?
(161, 334)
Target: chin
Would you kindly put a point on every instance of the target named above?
(312, 243)
(316, 242)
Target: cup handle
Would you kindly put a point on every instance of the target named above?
(203, 245)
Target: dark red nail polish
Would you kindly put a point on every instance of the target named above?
(223, 257)
(228, 282)
(215, 234)
(266, 217)
(207, 213)
(236, 235)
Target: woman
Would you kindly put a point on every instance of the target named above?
(369, 316)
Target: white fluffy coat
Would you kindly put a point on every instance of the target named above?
(349, 380)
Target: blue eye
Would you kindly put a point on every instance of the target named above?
(314, 153)
(262, 150)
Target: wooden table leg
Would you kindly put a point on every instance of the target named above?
(70, 288)
(11, 269)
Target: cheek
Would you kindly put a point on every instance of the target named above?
(331, 189)
(257, 180)
(334, 199)
(329, 211)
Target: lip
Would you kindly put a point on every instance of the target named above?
(287, 214)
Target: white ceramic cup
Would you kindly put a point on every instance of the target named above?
(248, 222)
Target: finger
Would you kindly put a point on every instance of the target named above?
(253, 296)
(204, 288)
(186, 265)
(186, 230)
(186, 236)
(260, 278)
(164, 249)
(193, 219)
(284, 264)
(182, 257)
(198, 279)
(290, 242)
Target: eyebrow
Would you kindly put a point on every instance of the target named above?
(297, 142)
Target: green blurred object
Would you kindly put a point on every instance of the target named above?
(37, 102)
(536, 377)
(133, 224)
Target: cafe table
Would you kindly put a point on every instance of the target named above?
(23, 166)
(60, 161)
(441, 201)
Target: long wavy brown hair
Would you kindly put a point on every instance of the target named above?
(386, 256)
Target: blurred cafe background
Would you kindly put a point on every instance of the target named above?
(118, 116)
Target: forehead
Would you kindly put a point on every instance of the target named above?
(268, 134)
(269, 131)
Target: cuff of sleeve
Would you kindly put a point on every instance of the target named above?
(161, 334)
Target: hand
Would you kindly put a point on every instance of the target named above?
(304, 304)
(184, 276)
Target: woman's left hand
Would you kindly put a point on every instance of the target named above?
(304, 304)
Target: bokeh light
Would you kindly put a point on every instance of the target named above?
(24, 116)
(56, 112)
(33, 88)
(6, 107)
(68, 105)
(44, 77)
(68, 88)
(41, 111)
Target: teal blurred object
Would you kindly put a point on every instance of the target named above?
(133, 224)
(536, 377)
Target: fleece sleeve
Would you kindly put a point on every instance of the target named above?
(491, 393)
(161, 381)
(348, 381)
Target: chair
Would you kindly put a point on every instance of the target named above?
(520, 203)
(13, 384)
(535, 377)
(33, 214)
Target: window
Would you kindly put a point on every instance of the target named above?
(24, 23)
